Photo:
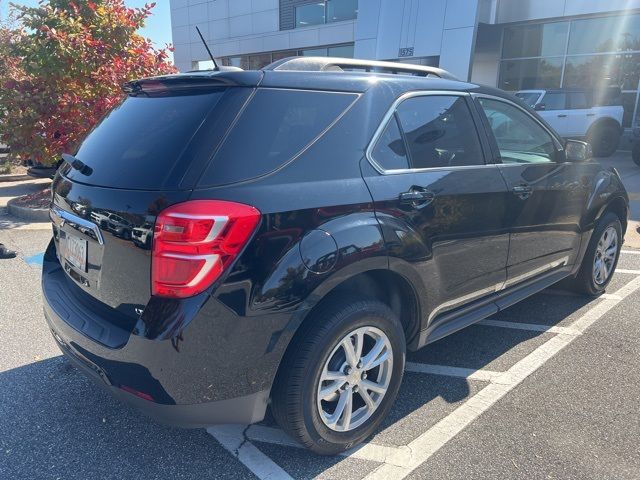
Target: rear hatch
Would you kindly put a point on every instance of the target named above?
(142, 157)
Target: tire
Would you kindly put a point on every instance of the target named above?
(635, 154)
(604, 139)
(586, 282)
(295, 403)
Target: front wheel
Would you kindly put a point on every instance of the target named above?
(341, 375)
(601, 257)
(604, 140)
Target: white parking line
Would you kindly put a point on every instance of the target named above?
(529, 326)
(468, 373)
(625, 270)
(232, 438)
(631, 252)
(366, 451)
(437, 436)
(398, 462)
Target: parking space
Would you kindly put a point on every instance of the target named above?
(535, 391)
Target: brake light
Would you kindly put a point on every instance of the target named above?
(195, 241)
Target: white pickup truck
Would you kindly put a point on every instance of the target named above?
(573, 114)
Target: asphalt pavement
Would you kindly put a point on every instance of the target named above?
(547, 389)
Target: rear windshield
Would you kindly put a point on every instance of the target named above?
(275, 127)
(139, 142)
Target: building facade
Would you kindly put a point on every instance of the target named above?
(512, 44)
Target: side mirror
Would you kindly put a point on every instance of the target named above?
(540, 107)
(577, 151)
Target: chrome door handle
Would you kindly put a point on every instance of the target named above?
(522, 191)
(417, 197)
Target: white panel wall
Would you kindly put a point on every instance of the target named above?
(431, 27)
(457, 48)
(235, 27)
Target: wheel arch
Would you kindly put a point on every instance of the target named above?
(604, 121)
(382, 284)
(619, 207)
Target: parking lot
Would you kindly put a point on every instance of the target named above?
(547, 389)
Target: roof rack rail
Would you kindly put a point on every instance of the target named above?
(329, 64)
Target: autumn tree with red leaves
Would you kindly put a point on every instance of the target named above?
(62, 65)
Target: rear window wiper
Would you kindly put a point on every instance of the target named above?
(77, 164)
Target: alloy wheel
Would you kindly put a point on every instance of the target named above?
(605, 256)
(354, 379)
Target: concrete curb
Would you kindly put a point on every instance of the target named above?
(632, 238)
(14, 178)
(29, 214)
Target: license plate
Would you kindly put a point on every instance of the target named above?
(75, 251)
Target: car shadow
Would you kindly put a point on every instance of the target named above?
(57, 423)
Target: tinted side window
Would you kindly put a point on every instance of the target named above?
(520, 138)
(390, 152)
(440, 132)
(555, 101)
(578, 100)
(273, 129)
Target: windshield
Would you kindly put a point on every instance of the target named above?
(530, 98)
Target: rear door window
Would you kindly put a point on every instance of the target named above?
(440, 132)
(138, 144)
(390, 152)
(275, 127)
(555, 101)
(578, 100)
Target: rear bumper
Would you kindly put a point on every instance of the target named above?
(212, 367)
(244, 410)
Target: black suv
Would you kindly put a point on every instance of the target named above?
(311, 222)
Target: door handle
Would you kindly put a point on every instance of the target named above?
(417, 197)
(591, 114)
(562, 116)
(522, 191)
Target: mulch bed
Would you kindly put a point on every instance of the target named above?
(40, 199)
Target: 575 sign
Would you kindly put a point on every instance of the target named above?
(405, 52)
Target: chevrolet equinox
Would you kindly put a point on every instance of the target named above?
(283, 236)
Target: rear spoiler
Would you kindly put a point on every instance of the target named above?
(165, 85)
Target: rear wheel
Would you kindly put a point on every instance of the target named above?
(601, 257)
(604, 139)
(341, 375)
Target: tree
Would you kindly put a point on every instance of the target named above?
(62, 65)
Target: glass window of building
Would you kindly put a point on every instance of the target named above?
(342, 51)
(314, 52)
(605, 34)
(256, 62)
(535, 40)
(311, 14)
(284, 54)
(530, 74)
(341, 10)
(591, 71)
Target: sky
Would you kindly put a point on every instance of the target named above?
(158, 27)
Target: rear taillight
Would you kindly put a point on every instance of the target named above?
(195, 241)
